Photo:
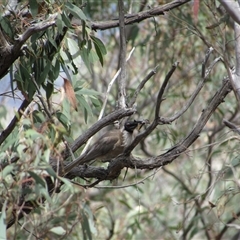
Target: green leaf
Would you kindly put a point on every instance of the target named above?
(76, 11)
(33, 134)
(100, 56)
(67, 183)
(72, 46)
(100, 44)
(44, 73)
(51, 172)
(85, 226)
(66, 20)
(64, 56)
(33, 7)
(74, 51)
(6, 25)
(49, 33)
(93, 57)
(6, 171)
(90, 216)
(58, 230)
(38, 179)
(85, 57)
(55, 70)
(64, 120)
(86, 108)
(96, 103)
(99, 47)
(49, 89)
(59, 23)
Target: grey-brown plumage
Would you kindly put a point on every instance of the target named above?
(108, 146)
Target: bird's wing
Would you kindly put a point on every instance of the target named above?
(103, 146)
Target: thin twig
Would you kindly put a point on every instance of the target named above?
(232, 7)
(210, 50)
(162, 89)
(141, 85)
(194, 94)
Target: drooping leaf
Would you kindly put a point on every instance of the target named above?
(49, 89)
(37, 179)
(66, 20)
(64, 120)
(100, 44)
(85, 57)
(76, 11)
(33, 7)
(85, 106)
(74, 51)
(6, 25)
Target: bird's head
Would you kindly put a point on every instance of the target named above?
(129, 126)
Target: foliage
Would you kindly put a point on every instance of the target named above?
(194, 197)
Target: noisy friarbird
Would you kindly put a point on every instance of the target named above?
(109, 146)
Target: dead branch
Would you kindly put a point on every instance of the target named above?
(140, 16)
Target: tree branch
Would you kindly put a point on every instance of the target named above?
(5, 133)
(194, 94)
(8, 58)
(154, 124)
(232, 7)
(123, 47)
(117, 164)
(141, 85)
(140, 16)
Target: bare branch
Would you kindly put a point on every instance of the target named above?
(210, 50)
(162, 89)
(237, 46)
(194, 94)
(5, 133)
(140, 16)
(232, 7)
(123, 46)
(154, 124)
(154, 162)
(129, 161)
(141, 85)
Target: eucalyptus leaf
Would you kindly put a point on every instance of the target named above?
(76, 11)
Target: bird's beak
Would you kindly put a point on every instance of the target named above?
(141, 123)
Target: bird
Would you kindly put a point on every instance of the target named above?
(108, 146)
